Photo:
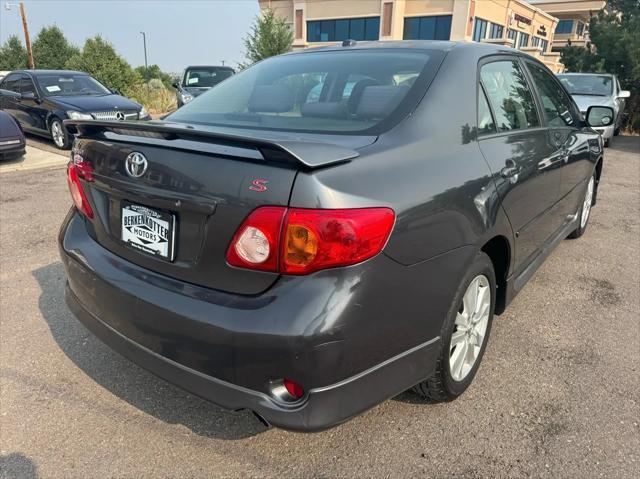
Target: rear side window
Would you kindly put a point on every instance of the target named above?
(205, 77)
(12, 83)
(325, 92)
(557, 105)
(486, 125)
(509, 95)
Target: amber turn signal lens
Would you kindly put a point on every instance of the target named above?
(301, 245)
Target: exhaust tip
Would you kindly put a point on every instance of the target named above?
(264, 422)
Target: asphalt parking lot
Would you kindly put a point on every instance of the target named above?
(558, 393)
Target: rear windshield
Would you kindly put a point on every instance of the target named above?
(328, 92)
(61, 85)
(205, 77)
(592, 85)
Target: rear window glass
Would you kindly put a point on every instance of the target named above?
(332, 92)
(205, 77)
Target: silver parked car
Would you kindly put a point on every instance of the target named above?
(594, 89)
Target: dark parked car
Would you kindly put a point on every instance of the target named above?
(48, 97)
(198, 79)
(309, 256)
(12, 141)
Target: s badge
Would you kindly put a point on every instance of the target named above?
(259, 185)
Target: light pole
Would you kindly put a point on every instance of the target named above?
(7, 6)
(144, 41)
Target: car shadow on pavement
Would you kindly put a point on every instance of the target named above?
(126, 380)
(17, 466)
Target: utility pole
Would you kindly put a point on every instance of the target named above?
(144, 41)
(222, 62)
(25, 28)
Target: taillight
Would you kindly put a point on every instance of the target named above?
(255, 245)
(301, 241)
(74, 172)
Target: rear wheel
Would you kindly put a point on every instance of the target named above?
(585, 209)
(59, 134)
(464, 334)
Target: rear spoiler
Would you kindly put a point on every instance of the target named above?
(305, 154)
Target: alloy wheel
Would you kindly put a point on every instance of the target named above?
(586, 206)
(470, 328)
(57, 134)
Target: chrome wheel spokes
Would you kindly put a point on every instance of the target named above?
(470, 328)
(57, 134)
(586, 206)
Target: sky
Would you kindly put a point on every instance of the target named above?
(179, 32)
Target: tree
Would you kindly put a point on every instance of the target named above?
(13, 56)
(614, 37)
(269, 36)
(154, 72)
(100, 60)
(51, 50)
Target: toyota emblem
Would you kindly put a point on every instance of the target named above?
(119, 115)
(136, 164)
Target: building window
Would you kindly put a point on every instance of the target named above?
(544, 44)
(523, 40)
(479, 30)
(512, 35)
(564, 26)
(580, 29)
(496, 31)
(427, 28)
(346, 29)
(298, 24)
(387, 15)
(535, 42)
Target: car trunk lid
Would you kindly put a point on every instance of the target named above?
(198, 187)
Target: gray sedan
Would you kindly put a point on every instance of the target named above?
(590, 89)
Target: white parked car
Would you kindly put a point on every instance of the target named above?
(596, 89)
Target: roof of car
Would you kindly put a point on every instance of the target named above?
(209, 66)
(50, 72)
(409, 44)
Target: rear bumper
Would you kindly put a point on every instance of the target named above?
(321, 408)
(10, 146)
(353, 337)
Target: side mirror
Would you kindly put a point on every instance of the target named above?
(115, 91)
(175, 85)
(28, 95)
(624, 94)
(599, 116)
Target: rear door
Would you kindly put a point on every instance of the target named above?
(569, 139)
(520, 154)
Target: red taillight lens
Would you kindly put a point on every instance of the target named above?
(301, 241)
(77, 193)
(293, 388)
(319, 239)
(255, 245)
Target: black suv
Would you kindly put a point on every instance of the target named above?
(47, 97)
(197, 79)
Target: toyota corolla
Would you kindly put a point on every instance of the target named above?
(328, 228)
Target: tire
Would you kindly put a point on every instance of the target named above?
(616, 132)
(585, 209)
(606, 142)
(59, 134)
(447, 383)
